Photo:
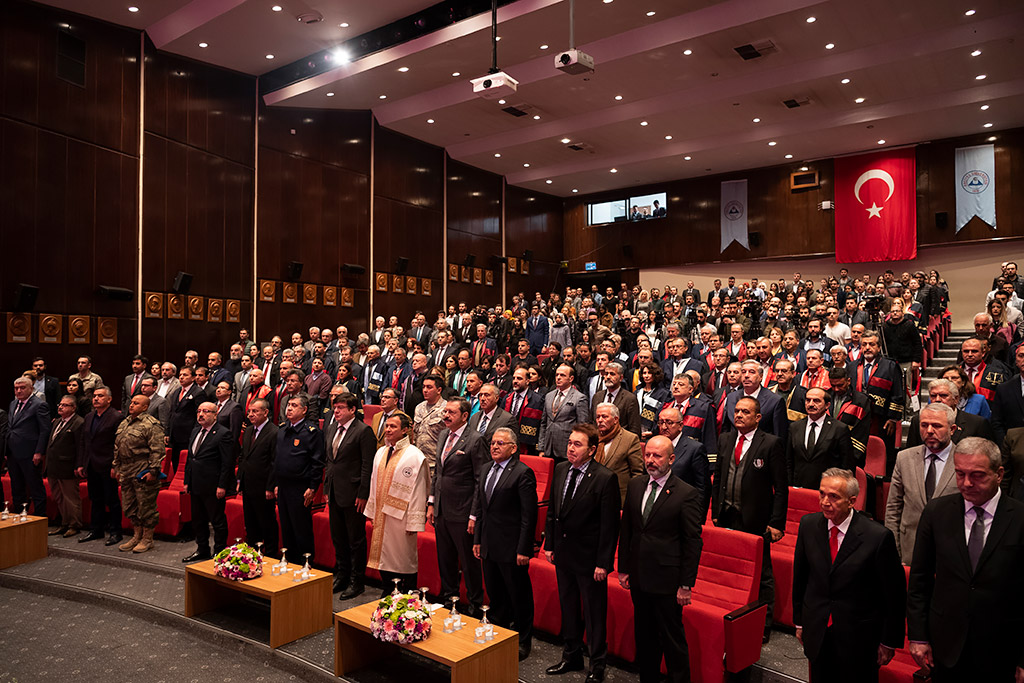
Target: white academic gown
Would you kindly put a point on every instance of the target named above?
(397, 505)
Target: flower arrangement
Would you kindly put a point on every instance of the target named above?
(238, 562)
(400, 619)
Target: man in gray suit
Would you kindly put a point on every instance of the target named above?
(564, 407)
(240, 385)
(491, 416)
(159, 407)
(921, 473)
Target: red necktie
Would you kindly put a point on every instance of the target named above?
(833, 543)
(183, 390)
(135, 383)
(738, 453)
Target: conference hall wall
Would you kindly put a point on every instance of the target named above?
(231, 197)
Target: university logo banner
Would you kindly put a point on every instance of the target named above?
(975, 185)
(734, 214)
(876, 207)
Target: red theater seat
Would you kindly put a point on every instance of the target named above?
(368, 412)
(902, 668)
(236, 518)
(874, 463)
(174, 505)
(801, 502)
(544, 471)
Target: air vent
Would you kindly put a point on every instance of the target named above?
(581, 147)
(520, 109)
(70, 58)
(311, 17)
(755, 50)
(793, 104)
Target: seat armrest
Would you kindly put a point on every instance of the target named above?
(743, 611)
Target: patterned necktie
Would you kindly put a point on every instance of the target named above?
(651, 497)
(483, 424)
(574, 475)
(558, 402)
(492, 479)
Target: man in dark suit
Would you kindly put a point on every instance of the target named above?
(965, 598)
(817, 443)
(1008, 406)
(581, 535)
(482, 346)
(159, 407)
(229, 414)
(132, 385)
(97, 460)
(209, 472)
(461, 454)
(350, 447)
(491, 416)
(371, 376)
(256, 477)
(218, 373)
(299, 471)
(28, 429)
(63, 451)
(183, 414)
(505, 513)
(50, 385)
(842, 557)
(659, 550)
(690, 461)
(751, 490)
(679, 360)
(623, 399)
(564, 406)
(537, 331)
(944, 391)
(774, 418)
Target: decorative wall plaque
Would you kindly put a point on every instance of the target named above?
(348, 297)
(398, 284)
(195, 308)
(267, 290)
(513, 264)
(78, 329)
(425, 286)
(330, 296)
(215, 310)
(524, 267)
(309, 294)
(478, 276)
(106, 328)
(154, 305)
(465, 274)
(50, 328)
(233, 310)
(410, 285)
(489, 278)
(381, 281)
(176, 306)
(19, 328)
(289, 292)
(453, 272)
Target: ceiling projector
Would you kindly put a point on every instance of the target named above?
(574, 62)
(495, 86)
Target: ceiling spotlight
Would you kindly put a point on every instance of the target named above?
(687, 52)
(330, 94)
(383, 97)
(339, 56)
(204, 45)
(607, 2)
(984, 107)
(980, 77)
(969, 13)
(643, 123)
(614, 170)
(976, 53)
(811, 20)
(497, 155)
(618, 97)
(803, 168)
(991, 138)
(403, 69)
(757, 120)
(987, 125)
(270, 56)
(133, 9)
(789, 156)
(430, 120)
(859, 100)
(456, 74)
(276, 8)
(536, 117)
(566, 141)
(526, 166)
(881, 142)
(544, 47)
(687, 158)
(549, 181)
(343, 24)
(829, 46)
(651, 14)
(501, 101)
(845, 81)
(497, 37)
(575, 190)
(668, 137)
(772, 143)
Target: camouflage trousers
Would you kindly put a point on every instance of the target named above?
(138, 499)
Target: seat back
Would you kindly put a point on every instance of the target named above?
(801, 502)
(544, 470)
(874, 461)
(862, 497)
(730, 568)
(178, 482)
(368, 412)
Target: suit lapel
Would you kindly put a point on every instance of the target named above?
(851, 541)
(917, 473)
(658, 502)
(1000, 523)
(581, 487)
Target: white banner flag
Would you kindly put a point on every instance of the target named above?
(734, 214)
(975, 185)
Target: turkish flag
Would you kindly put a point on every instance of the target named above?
(876, 207)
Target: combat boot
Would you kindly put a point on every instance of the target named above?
(147, 541)
(133, 541)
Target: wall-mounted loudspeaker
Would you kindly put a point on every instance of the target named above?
(117, 293)
(182, 282)
(294, 270)
(25, 297)
(754, 238)
(941, 220)
(352, 269)
(470, 260)
(401, 265)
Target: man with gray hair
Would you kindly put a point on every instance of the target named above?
(29, 428)
(964, 423)
(922, 472)
(616, 394)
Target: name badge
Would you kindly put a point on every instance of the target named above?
(295, 443)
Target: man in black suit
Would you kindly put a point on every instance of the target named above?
(659, 550)
(505, 514)
(97, 460)
(350, 447)
(944, 391)
(63, 452)
(690, 457)
(229, 414)
(582, 531)
(1008, 406)
(614, 392)
(209, 472)
(49, 385)
(849, 590)
(28, 427)
(184, 405)
(132, 385)
(491, 416)
(816, 443)
(299, 471)
(775, 419)
(965, 599)
(256, 477)
(751, 490)
(460, 456)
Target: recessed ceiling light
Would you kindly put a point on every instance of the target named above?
(575, 190)
(403, 69)
(987, 125)
(549, 181)
(881, 142)
(270, 56)
(343, 24)
(430, 120)
(991, 138)
(984, 107)
(976, 53)
(687, 158)
(789, 156)
(544, 47)
(668, 137)
(536, 117)
(845, 81)
(772, 143)
(859, 100)
(497, 155)
(277, 8)
(330, 94)
(980, 77)
(811, 20)
(757, 120)
(133, 8)
(651, 14)
(618, 97)
(803, 168)
(204, 45)
(687, 52)
(607, 2)
(383, 97)
(566, 141)
(969, 13)
(614, 170)
(526, 166)
(497, 37)
(829, 46)
(643, 123)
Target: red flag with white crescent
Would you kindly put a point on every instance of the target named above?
(876, 207)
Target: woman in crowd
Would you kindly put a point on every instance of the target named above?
(970, 401)
(74, 388)
(651, 395)
(999, 324)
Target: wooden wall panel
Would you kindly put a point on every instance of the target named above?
(474, 227)
(335, 138)
(407, 170)
(533, 221)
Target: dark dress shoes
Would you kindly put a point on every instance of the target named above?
(197, 556)
(565, 666)
(595, 677)
(114, 539)
(524, 650)
(340, 584)
(91, 536)
(354, 589)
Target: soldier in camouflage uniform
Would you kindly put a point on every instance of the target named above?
(139, 447)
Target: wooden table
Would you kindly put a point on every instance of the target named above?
(296, 609)
(496, 661)
(22, 542)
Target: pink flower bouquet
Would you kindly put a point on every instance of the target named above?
(400, 619)
(238, 563)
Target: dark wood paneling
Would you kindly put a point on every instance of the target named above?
(474, 227)
(533, 221)
(336, 138)
(407, 170)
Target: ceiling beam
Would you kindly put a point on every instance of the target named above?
(187, 19)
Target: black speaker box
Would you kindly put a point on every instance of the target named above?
(182, 282)
(117, 293)
(941, 220)
(401, 265)
(25, 297)
(755, 239)
(352, 268)
(294, 270)
(470, 260)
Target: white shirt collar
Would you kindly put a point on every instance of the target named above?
(844, 526)
(989, 507)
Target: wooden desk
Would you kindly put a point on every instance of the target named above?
(496, 661)
(296, 609)
(22, 542)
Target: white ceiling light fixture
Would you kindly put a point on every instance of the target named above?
(613, 170)
(276, 8)
(991, 138)
(980, 77)
(643, 123)
(575, 190)
(403, 69)
(340, 56)
(987, 125)
(536, 117)
(270, 56)
(687, 158)
(984, 107)
(859, 100)
(772, 143)
(343, 24)
(829, 46)
(566, 141)
(526, 166)
(803, 168)
(789, 156)
(456, 74)
(668, 137)
(969, 13)
(811, 20)
(383, 97)
(976, 53)
(651, 14)
(133, 9)
(430, 120)
(497, 155)
(549, 181)
(881, 142)
(845, 81)
(618, 97)
(687, 52)
(204, 45)
(330, 94)
(757, 120)
(544, 47)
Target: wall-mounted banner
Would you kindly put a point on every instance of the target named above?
(734, 214)
(975, 185)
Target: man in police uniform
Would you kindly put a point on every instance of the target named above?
(138, 454)
(298, 469)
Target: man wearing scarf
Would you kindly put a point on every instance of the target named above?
(618, 449)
